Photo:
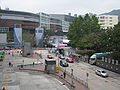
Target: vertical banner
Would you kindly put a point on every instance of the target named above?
(18, 35)
(39, 33)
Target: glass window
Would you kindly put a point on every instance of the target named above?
(110, 17)
(110, 23)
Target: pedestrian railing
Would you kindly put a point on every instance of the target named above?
(76, 78)
(70, 85)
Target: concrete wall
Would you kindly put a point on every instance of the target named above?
(109, 66)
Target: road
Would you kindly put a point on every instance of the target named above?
(95, 82)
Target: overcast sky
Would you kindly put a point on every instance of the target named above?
(62, 6)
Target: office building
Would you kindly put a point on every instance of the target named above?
(44, 20)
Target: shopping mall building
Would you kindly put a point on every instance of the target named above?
(18, 26)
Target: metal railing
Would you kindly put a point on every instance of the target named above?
(76, 78)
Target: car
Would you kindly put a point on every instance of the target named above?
(101, 73)
(68, 59)
(62, 57)
(50, 56)
(63, 63)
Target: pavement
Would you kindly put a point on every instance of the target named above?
(69, 81)
(33, 77)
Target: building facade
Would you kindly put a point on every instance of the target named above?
(26, 22)
(107, 21)
(65, 19)
(44, 20)
(10, 18)
(55, 24)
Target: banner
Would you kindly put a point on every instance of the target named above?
(39, 33)
(18, 35)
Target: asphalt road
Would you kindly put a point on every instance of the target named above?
(13, 80)
(95, 82)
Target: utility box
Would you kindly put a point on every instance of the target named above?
(50, 65)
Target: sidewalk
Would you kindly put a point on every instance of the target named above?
(69, 81)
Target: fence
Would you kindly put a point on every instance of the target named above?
(76, 78)
(110, 64)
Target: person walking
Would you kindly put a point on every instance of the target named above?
(71, 72)
(33, 64)
(9, 64)
(64, 74)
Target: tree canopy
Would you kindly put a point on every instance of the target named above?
(83, 32)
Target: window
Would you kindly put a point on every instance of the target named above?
(110, 17)
(110, 23)
(102, 20)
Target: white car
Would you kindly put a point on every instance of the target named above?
(101, 73)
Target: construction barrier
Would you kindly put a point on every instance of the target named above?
(57, 69)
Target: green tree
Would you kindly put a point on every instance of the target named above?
(114, 41)
(83, 30)
(47, 34)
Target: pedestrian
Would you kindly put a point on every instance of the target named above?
(33, 63)
(71, 72)
(9, 64)
(23, 61)
(64, 74)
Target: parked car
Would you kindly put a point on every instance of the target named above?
(101, 73)
(62, 57)
(63, 63)
(68, 59)
(50, 56)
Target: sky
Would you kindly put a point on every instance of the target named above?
(79, 7)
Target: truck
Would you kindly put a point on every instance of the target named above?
(96, 56)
